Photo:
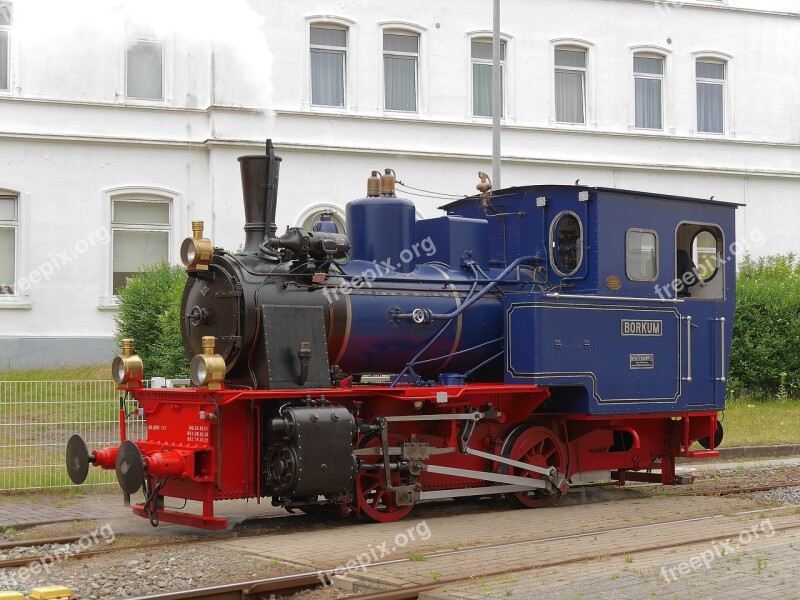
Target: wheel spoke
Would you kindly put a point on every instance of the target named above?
(540, 447)
(373, 499)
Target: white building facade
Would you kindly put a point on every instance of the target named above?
(121, 122)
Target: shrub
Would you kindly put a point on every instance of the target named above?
(149, 313)
(765, 357)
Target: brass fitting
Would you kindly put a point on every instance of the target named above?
(484, 187)
(196, 251)
(374, 185)
(127, 369)
(387, 182)
(208, 369)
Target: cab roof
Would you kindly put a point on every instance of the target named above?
(580, 188)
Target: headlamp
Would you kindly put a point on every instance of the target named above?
(207, 370)
(126, 369)
(196, 251)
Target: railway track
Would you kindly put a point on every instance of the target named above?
(28, 560)
(290, 584)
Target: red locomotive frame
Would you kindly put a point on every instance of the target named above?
(205, 445)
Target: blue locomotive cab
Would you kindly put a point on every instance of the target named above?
(634, 296)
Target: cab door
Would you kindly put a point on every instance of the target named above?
(701, 274)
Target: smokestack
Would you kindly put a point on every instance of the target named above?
(260, 191)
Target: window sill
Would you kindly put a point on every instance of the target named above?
(486, 120)
(14, 303)
(402, 114)
(323, 108)
(646, 130)
(108, 303)
(566, 125)
(128, 101)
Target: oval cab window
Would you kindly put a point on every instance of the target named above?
(704, 254)
(566, 243)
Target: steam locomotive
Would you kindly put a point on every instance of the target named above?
(530, 339)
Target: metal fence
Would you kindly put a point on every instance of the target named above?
(38, 417)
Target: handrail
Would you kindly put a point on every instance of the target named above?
(630, 298)
(722, 347)
(688, 377)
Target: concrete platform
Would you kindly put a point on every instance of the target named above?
(768, 566)
(422, 534)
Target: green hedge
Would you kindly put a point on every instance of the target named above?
(149, 313)
(765, 358)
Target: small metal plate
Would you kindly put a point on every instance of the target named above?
(642, 361)
(77, 459)
(130, 467)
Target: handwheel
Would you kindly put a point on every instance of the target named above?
(537, 446)
(374, 501)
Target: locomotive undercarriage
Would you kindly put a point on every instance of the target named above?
(442, 442)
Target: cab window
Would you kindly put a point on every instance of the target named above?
(698, 262)
(641, 254)
(566, 243)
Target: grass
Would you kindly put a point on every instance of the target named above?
(85, 373)
(36, 419)
(752, 421)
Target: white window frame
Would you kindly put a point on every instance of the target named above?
(628, 249)
(320, 208)
(728, 127)
(11, 50)
(508, 97)
(20, 299)
(582, 45)
(350, 59)
(176, 230)
(166, 71)
(667, 104)
(404, 28)
(649, 77)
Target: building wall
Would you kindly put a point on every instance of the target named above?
(69, 137)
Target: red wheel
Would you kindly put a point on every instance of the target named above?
(537, 446)
(374, 501)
